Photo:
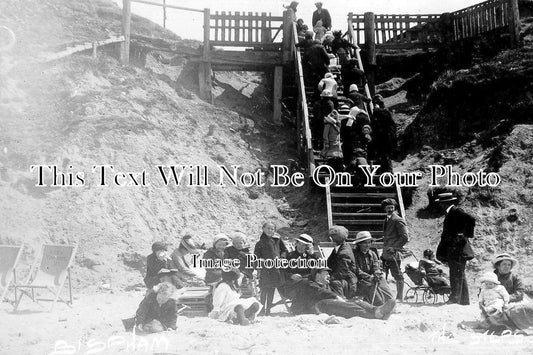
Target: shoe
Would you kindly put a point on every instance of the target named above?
(384, 311)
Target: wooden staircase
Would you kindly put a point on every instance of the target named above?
(359, 209)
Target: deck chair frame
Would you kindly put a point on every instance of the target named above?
(13, 268)
(54, 289)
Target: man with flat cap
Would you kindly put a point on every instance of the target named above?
(316, 296)
(454, 247)
(395, 236)
(342, 264)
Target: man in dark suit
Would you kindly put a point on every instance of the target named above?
(321, 14)
(454, 247)
(395, 236)
(342, 264)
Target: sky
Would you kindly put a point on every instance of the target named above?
(188, 24)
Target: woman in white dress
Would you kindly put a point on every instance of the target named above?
(227, 304)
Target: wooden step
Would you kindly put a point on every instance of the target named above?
(371, 222)
(362, 214)
(355, 204)
(364, 194)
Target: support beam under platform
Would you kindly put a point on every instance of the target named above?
(278, 88)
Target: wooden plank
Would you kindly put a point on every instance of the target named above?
(250, 39)
(335, 204)
(383, 195)
(168, 6)
(329, 204)
(278, 90)
(238, 24)
(361, 222)
(223, 30)
(514, 23)
(126, 31)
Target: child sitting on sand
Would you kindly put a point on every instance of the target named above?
(493, 299)
(227, 304)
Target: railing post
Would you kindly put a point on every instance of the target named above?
(126, 30)
(370, 45)
(287, 48)
(514, 22)
(204, 69)
(164, 13)
(446, 28)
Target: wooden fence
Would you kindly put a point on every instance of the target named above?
(423, 31)
(246, 30)
(481, 18)
(397, 31)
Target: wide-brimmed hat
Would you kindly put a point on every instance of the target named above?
(305, 238)
(446, 197)
(188, 244)
(362, 236)
(353, 87)
(502, 257)
(157, 246)
(219, 237)
(489, 277)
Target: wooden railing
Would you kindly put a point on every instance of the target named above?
(246, 30)
(397, 31)
(423, 31)
(352, 38)
(303, 128)
(478, 19)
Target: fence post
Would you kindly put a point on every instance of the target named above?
(126, 20)
(164, 13)
(514, 23)
(287, 35)
(370, 46)
(204, 69)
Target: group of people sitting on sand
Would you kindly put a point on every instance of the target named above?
(350, 283)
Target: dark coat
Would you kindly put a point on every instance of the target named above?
(153, 265)
(233, 253)
(270, 248)
(342, 265)
(457, 228)
(384, 131)
(304, 272)
(373, 290)
(316, 58)
(353, 138)
(149, 310)
(395, 235)
(339, 42)
(324, 16)
(306, 294)
(212, 274)
(513, 284)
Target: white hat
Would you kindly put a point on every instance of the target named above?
(220, 236)
(353, 87)
(490, 277)
(305, 238)
(362, 236)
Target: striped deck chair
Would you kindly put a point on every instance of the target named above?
(50, 275)
(9, 258)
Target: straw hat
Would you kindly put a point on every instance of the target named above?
(188, 244)
(362, 236)
(305, 238)
(502, 257)
(446, 197)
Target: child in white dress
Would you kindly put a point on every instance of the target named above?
(227, 304)
(493, 299)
